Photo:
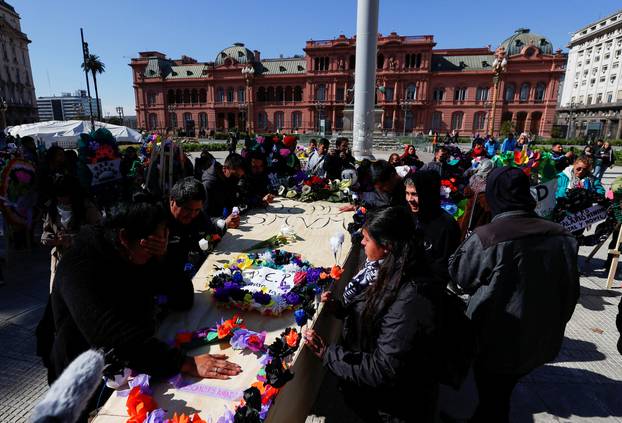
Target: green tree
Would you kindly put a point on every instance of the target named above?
(506, 127)
(94, 65)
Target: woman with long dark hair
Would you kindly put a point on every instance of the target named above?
(385, 361)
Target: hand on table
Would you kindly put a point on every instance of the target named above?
(233, 221)
(314, 342)
(211, 366)
(268, 198)
(155, 245)
(347, 208)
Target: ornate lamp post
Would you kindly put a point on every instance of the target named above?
(248, 72)
(570, 120)
(3, 108)
(120, 113)
(405, 106)
(170, 108)
(499, 67)
(319, 107)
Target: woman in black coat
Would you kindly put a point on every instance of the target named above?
(385, 361)
(108, 290)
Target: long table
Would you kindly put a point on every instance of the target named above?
(315, 223)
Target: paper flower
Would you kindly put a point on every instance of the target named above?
(138, 405)
(156, 416)
(183, 418)
(291, 337)
(300, 277)
(227, 326)
(336, 272)
(301, 317)
(245, 339)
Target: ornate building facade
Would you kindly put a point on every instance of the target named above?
(419, 88)
(16, 84)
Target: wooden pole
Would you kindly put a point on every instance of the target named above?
(614, 263)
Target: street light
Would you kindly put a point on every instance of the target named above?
(170, 109)
(570, 120)
(248, 72)
(3, 108)
(120, 113)
(406, 105)
(499, 66)
(319, 106)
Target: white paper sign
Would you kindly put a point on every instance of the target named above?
(545, 196)
(105, 171)
(275, 281)
(584, 218)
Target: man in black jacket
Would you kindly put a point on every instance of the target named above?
(338, 159)
(522, 275)
(441, 233)
(221, 186)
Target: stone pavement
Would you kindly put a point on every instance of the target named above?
(583, 384)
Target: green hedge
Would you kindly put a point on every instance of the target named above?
(189, 147)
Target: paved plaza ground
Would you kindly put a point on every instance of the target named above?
(584, 384)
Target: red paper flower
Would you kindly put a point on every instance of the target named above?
(227, 326)
(300, 277)
(291, 339)
(183, 418)
(336, 272)
(138, 405)
(183, 338)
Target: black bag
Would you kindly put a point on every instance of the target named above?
(457, 341)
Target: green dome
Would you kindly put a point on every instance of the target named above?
(236, 52)
(523, 38)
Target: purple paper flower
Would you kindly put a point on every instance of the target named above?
(222, 294)
(313, 274)
(264, 411)
(261, 298)
(301, 317)
(292, 298)
(227, 417)
(247, 339)
(265, 359)
(141, 380)
(237, 278)
(156, 416)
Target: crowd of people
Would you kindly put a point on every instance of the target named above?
(118, 268)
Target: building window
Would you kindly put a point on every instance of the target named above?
(388, 94)
(170, 97)
(187, 118)
(194, 96)
(203, 95)
(229, 95)
(599, 98)
(279, 120)
(352, 62)
(241, 95)
(270, 94)
(298, 93)
(481, 94)
(261, 94)
(172, 120)
(509, 93)
(456, 120)
(540, 92)
(460, 94)
(412, 61)
(479, 121)
(179, 98)
(279, 94)
(288, 94)
(438, 94)
(296, 120)
(321, 63)
(151, 98)
(524, 92)
(380, 61)
(610, 97)
(320, 92)
(186, 96)
(220, 95)
(339, 95)
(411, 92)
(203, 120)
(437, 119)
(262, 120)
(589, 100)
(153, 121)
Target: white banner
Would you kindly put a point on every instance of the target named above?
(105, 171)
(545, 196)
(275, 281)
(584, 218)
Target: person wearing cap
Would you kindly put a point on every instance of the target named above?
(522, 276)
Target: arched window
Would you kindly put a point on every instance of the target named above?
(481, 94)
(540, 92)
(172, 120)
(241, 94)
(438, 94)
(524, 92)
(170, 97)
(194, 97)
(380, 61)
(510, 90)
(279, 94)
(352, 62)
(220, 95)
(289, 94)
(479, 121)
(153, 121)
(296, 120)
(320, 92)
(297, 93)
(437, 121)
(187, 118)
(262, 120)
(179, 96)
(203, 95)
(151, 98)
(186, 96)
(456, 120)
(411, 92)
(203, 120)
(270, 94)
(279, 120)
(261, 94)
(536, 119)
(229, 95)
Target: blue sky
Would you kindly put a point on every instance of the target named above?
(117, 29)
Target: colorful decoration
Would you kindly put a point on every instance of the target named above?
(18, 191)
(271, 282)
(307, 188)
(538, 165)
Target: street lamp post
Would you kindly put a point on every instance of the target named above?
(319, 107)
(3, 108)
(170, 108)
(120, 113)
(248, 72)
(406, 105)
(570, 120)
(244, 113)
(499, 66)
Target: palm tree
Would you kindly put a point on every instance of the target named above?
(94, 65)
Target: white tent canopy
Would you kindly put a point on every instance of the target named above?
(65, 133)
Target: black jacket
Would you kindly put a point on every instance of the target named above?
(222, 193)
(441, 237)
(100, 300)
(335, 164)
(522, 274)
(393, 373)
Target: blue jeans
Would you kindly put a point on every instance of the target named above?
(599, 171)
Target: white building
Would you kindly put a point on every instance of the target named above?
(16, 85)
(591, 101)
(66, 107)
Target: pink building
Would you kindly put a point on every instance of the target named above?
(419, 88)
